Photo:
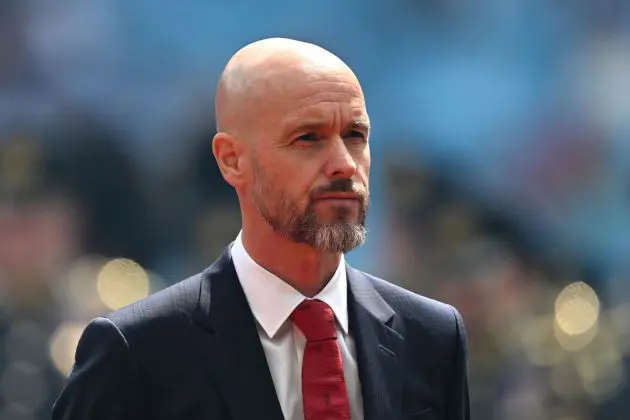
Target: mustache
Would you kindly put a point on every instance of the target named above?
(341, 185)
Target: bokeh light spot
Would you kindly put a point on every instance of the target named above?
(122, 282)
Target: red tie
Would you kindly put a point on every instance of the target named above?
(324, 391)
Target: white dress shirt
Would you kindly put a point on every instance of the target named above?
(272, 301)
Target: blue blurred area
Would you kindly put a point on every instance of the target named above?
(485, 85)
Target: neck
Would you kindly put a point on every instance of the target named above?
(299, 265)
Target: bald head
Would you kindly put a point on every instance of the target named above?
(292, 125)
(263, 71)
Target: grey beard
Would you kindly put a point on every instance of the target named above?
(340, 237)
(285, 219)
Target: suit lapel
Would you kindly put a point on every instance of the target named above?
(231, 346)
(379, 348)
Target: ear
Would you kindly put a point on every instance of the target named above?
(228, 152)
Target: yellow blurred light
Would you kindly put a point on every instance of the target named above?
(122, 282)
(63, 345)
(575, 342)
(80, 286)
(576, 309)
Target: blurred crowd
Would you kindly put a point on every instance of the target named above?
(500, 183)
(542, 343)
(79, 238)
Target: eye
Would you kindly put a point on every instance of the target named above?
(355, 135)
(309, 137)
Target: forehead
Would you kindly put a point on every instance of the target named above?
(318, 95)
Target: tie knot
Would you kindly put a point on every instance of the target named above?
(315, 319)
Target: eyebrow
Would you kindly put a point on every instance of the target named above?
(363, 125)
(358, 124)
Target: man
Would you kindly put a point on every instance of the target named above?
(280, 326)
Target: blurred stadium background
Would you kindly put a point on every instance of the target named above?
(500, 183)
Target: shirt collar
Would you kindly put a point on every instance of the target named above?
(272, 300)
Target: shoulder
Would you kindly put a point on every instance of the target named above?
(171, 305)
(433, 316)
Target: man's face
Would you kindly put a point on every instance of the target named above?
(311, 165)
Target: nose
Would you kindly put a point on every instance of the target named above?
(341, 163)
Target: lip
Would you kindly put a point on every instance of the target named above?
(338, 196)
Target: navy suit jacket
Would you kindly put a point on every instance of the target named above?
(192, 351)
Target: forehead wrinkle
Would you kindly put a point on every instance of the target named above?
(319, 118)
(308, 96)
